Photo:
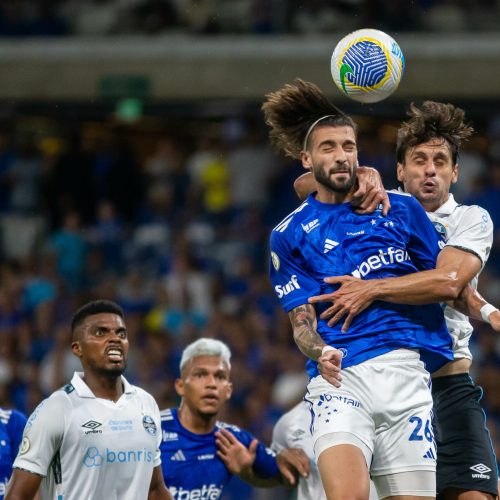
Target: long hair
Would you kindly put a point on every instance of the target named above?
(291, 111)
(433, 120)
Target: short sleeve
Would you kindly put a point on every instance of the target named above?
(43, 435)
(289, 278)
(474, 234)
(280, 441)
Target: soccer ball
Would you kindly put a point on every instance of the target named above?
(367, 65)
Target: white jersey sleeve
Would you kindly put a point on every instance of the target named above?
(43, 434)
(474, 233)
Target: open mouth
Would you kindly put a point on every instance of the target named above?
(115, 354)
(210, 399)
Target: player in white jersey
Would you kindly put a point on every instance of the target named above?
(99, 436)
(427, 154)
(293, 430)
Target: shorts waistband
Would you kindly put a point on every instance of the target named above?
(396, 355)
(445, 381)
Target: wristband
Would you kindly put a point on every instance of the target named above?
(485, 311)
(326, 349)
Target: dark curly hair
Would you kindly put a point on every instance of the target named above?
(433, 120)
(291, 110)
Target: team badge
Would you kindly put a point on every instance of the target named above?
(276, 261)
(149, 425)
(441, 229)
(25, 446)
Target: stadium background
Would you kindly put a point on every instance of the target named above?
(134, 165)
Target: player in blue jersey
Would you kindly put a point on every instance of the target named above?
(12, 424)
(199, 453)
(379, 420)
(427, 152)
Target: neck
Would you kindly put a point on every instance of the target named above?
(104, 386)
(326, 195)
(195, 422)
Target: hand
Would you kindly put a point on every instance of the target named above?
(370, 193)
(353, 296)
(235, 455)
(329, 365)
(494, 318)
(291, 463)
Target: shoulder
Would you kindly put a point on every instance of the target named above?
(145, 397)
(167, 417)
(237, 431)
(472, 213)
(291, 219)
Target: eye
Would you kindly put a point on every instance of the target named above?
(122, 334)
(99, 332)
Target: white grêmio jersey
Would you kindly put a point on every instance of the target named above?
(293, 431)
(468, 228)
(89, 447)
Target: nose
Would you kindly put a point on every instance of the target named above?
(210, 381)
(430, 169)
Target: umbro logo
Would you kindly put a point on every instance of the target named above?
(178, 456)
(298, 435)
(92, 427)
(329, 245)
(91, 424)
(430, 454)
(481, 468)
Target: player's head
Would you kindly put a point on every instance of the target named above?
(306, 125)
(100, 337)
(204, 383)
(427, 149)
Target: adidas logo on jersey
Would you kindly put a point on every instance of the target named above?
(480, 470)
(178, 456)
(329, 245)
(430, 454)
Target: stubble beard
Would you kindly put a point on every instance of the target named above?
(324, 179)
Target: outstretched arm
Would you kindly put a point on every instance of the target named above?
(471, 303)
(304, 324)
(455, 268)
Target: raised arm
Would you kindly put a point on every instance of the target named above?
(308, 340)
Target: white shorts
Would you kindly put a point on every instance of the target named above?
(384, 406)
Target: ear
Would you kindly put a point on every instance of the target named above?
(179, 386)
(229, 392)
(305, 157)
(400, 172)
(76, 348)
(454, 173)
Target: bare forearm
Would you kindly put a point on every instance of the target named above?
(426, 287)
(304, 323)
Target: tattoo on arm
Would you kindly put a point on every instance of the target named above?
(303, 319)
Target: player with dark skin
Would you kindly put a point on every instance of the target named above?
(100, 342)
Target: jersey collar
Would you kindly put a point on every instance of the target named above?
(447, 207)
(83, 390)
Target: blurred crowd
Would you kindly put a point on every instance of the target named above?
(24, 18)
(173, 225)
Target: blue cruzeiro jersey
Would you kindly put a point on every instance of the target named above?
(191, 467)
(12, 424)
(319, 240)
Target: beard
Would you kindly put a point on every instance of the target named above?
(339, 186)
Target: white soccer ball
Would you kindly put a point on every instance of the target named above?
(367, 65)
